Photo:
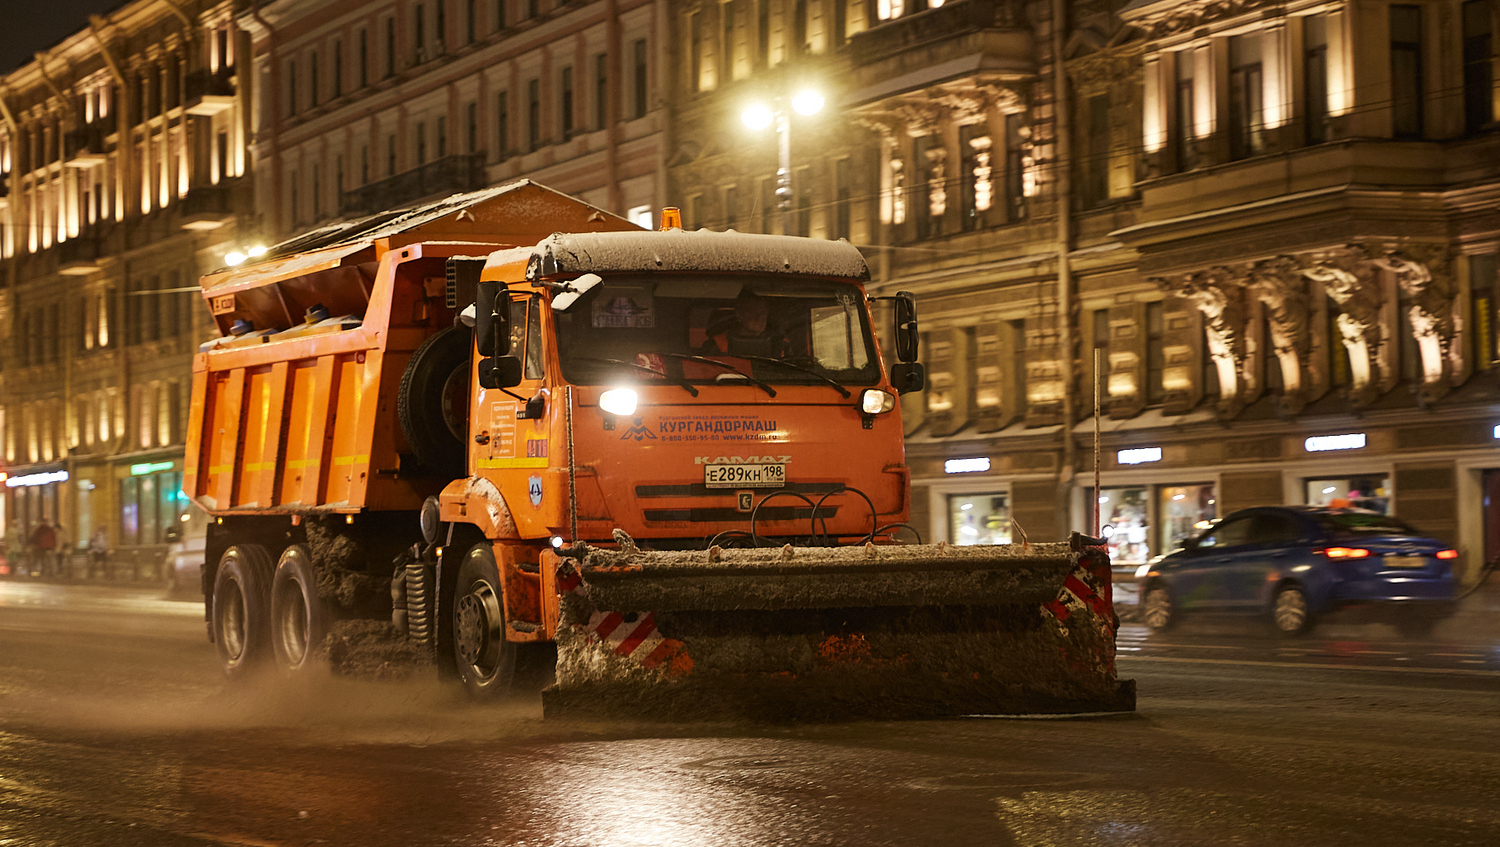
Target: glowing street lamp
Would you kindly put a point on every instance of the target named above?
(758, 116)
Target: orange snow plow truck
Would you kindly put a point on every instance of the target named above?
(510, 425)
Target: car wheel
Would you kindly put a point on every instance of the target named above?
(298, 617)
(1158, 610)
(1290, 613)
(486, 660)
(241, 619)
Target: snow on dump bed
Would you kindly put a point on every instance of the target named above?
(679, 250)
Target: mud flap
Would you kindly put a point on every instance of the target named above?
(868, 633)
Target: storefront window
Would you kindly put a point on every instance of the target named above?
(979, 519)
(1361, 492)
(1123, 523)
(1183, 511)
(130, 511)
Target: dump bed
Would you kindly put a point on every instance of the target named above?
(294, 407)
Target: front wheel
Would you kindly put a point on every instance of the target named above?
(298, 617)
(1290, 613)
(1157, 609)
(241, 620)
(486, 660)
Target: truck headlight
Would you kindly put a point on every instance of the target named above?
(874, 401)
(618, 401)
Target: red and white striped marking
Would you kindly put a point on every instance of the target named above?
(638, 640)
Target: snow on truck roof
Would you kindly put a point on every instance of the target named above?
(680, 250)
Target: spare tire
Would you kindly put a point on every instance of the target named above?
(432, 403)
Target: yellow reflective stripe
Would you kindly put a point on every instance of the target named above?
(351, 460)
(514, 463)
(261, 466)
(217, 469)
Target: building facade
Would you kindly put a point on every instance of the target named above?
(374, 106)
(122, 150)
(1273, 226)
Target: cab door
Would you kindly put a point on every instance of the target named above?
(1202, 579)
(513, 449)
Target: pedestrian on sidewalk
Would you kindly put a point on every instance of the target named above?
(44, 542)
(99, 553)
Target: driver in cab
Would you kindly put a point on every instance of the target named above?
(747, 332)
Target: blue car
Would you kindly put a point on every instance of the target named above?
(1295, 563)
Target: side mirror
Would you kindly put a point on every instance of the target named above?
(499, 371)
(907, 377)
(491, 326)
(906, 326)
(535, 407)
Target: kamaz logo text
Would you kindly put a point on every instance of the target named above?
(741, 460)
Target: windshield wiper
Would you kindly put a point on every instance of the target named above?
(726, 366)
(803, 368)
(684, 383)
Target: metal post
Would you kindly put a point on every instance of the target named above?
(1097, 410)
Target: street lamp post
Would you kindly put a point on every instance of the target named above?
(757, 117)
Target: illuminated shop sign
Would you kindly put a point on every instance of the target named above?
(1139, 456)
(966, 465)
(36, 479)
(149, 467)
(1497, 430)
(1321, 443)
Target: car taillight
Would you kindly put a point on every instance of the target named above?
(1346, 553)
(1447, 554)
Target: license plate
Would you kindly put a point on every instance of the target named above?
(1406, 561)
(744, 476)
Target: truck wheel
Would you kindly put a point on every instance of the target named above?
(298, 617)
(486, 660)
(241, 619)
(433, 401)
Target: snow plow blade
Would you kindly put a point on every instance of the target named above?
(836, 634)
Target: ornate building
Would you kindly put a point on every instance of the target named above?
(1274, 227)
(122, 155)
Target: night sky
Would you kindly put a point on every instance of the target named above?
(32, 25)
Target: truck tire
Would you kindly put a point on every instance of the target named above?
(486, 660)
(241, 617)
(299, 619)
(433, 400)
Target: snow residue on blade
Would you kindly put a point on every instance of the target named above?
(704, 250)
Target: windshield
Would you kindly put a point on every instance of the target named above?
(1353, 523)
(770, 328)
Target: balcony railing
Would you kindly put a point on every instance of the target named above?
(85, 147)
(79, 255)
(208, 92)
(448, 175)
(211, 206)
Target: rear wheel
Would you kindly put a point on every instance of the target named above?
(486, 660)
(298, 617)
(1157, 608)
(1290, 613)
(241, 617)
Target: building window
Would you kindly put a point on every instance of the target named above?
(1406, 71)
(471, 128)
(843, 197)
(976, 187)
(1483, 284)
(390, 154)
(638, 53)
(1315, 76)
(1185, 128)
(930, 202)
(1015, 184)
(728, 16)
(1247, 114)
(979, 519)
(1018, 364)
(799, 28)
(533, 114)
(312, 78)
(695, 52)
(1096, 152)
(364, 58)
(888, 10)
(471, 21)
(1479, 74)
(291, 88)
(731, 205)
(533, 8)
(390, 47)
(442, 137)
(502, 125)
(421, 141)
(762, 33)
(601, 90)
(1370, 491)
(565, 101)
(338, 69)
(419, 33)
(499, 15)
(1155, 352)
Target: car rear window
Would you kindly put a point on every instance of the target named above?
(1364, 523)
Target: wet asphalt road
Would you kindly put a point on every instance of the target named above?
(115, 729)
